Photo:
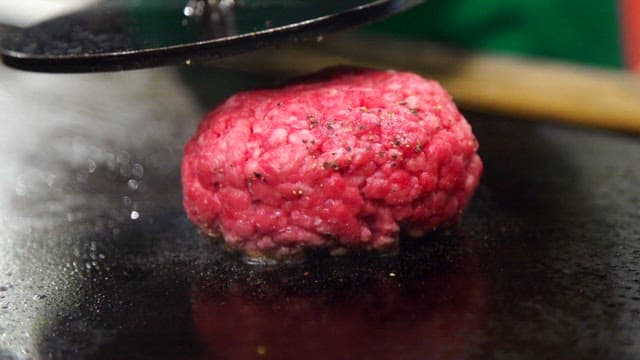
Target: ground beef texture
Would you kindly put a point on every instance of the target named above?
(342, 159)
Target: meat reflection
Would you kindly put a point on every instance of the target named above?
(427, 302)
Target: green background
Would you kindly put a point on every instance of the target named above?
(585, 31)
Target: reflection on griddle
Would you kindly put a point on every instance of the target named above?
(429, 299)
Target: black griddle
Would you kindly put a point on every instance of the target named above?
(545, 264)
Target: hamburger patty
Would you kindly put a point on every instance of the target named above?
(341, 159)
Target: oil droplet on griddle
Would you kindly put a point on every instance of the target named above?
(137, 170)
(132, 184)
(91, 166)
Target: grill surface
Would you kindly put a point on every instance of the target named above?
(97, 259)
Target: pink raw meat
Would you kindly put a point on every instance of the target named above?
(343, 159)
